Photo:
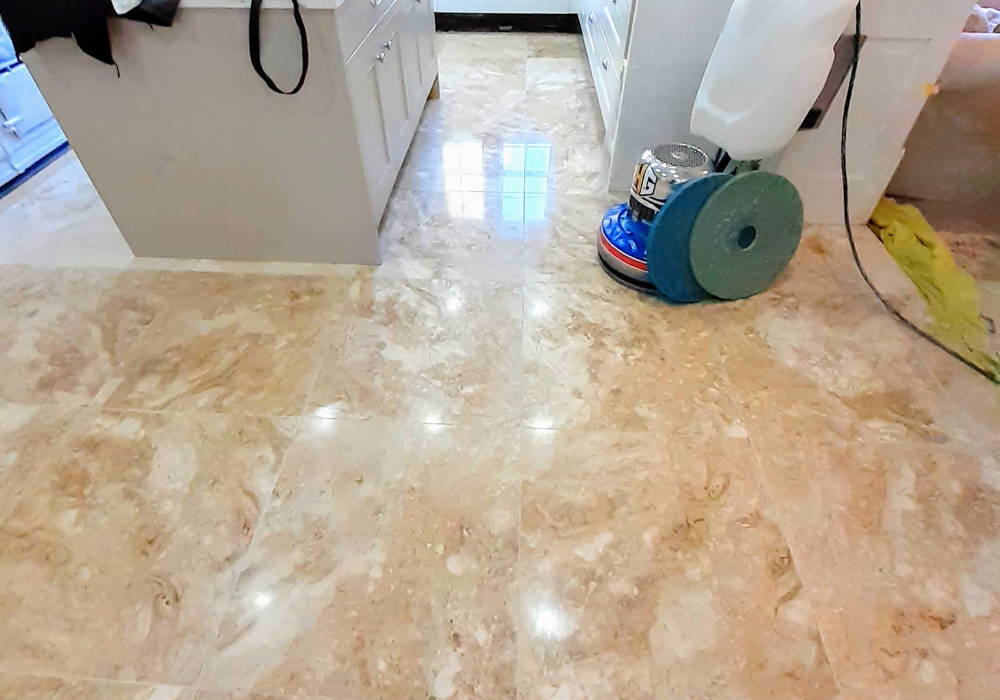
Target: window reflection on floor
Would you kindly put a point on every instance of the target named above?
(517, 186)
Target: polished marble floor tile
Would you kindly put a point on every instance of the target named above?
(899, 544)
(651, 566)
(815, 345)
(57, 219)
(384, 568)
(28, 437)
(455, 234)
(560, 232)
(24, 687)
(433, 351)
(227, 343)
(117, 558)
(603, 356)
(61, 333)
(556, 46)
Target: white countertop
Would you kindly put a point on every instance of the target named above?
(245, 4)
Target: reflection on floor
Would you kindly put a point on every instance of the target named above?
(482, 470)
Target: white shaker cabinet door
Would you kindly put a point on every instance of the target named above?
(409, 51)
(371, 121)
(425, 42)
(392, 91)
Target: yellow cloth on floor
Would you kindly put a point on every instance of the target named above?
(951, 294)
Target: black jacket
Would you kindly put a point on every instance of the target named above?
(31, 21)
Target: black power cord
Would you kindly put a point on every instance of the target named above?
(847, 213)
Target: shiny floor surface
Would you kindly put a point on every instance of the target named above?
(482, 470)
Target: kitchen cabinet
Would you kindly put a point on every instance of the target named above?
(233, 170)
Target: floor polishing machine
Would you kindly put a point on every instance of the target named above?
(697, 228)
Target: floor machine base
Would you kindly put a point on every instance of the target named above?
(622, 249)
(635, 285)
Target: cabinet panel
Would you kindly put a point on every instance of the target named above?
(370, 117)
(425, 41)
(356, 19)
(409, 52)
(392, 92)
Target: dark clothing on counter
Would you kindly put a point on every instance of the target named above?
(31, 21)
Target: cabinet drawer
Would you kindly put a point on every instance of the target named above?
(607, 19)
(604, 69)
(382, 108)
(620, 13)
(356, 19)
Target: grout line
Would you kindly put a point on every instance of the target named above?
(782, 527)
(94, 679)
(210, 651)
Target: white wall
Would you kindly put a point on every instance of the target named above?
(908, 45)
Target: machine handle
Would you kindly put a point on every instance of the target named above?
(381, 57)
(388, 45)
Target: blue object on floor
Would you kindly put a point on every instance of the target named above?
(622, 247)
(668, 244)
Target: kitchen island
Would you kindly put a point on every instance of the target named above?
(196, 158)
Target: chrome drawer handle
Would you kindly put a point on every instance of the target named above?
(388, 45)
(604, 64)
(591, 17)
(376, 3)
(381, 57)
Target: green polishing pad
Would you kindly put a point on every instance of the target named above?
(746, 234)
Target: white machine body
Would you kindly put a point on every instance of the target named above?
(767, 70)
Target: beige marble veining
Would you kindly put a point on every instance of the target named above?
(651, 566)
(230, 343)
(24, 687)
(57, 219)
(384, 568)
(115, 560)
(900, 546)
(429, 350)
(602, 356)
(28, 437)
(63, 333)
(484, 469)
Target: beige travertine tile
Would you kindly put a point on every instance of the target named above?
(815, 343)
(660, 556)
(651, 566)
(606, 357)
(23, 687)
(63, 333)
(57, 219)
(429, 350)
(561, 233)
(28, 437)
(384, 568)
(556, 46)
(455, 234)
(232, 343)
(119, 558)
(899, 544)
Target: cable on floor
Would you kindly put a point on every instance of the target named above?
(847, 214)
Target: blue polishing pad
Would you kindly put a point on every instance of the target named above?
(668, 245)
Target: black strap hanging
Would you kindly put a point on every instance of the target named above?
(255, 6)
